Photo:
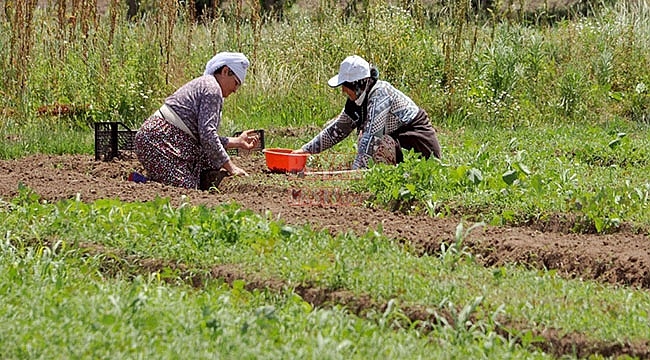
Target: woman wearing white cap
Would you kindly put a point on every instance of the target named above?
(385, 118)
(179, 143)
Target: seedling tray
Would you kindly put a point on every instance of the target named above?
(112, 137)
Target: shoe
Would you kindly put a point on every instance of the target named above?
(137, 177)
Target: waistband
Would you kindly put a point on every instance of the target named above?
(171, 117)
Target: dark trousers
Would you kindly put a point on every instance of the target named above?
(419, 135)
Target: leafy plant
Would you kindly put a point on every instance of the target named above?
(453, 253)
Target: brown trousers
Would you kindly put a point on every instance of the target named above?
(419, 135)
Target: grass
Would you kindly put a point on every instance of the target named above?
(535, 119)
(55, 291)
(509, 121)
(72, 313)
(513, 176)
(36, 138)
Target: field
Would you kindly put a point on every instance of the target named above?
(621, 258)
(527, 240)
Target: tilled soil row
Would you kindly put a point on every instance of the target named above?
(621, 258)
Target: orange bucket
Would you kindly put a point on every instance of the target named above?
(283, 160)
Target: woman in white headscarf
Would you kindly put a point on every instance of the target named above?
(385, 119)
(179, 144)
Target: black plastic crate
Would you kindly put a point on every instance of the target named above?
(259, 147)
(111, 138)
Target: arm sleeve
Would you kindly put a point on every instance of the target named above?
(209, 118)
(334, 132)
(224, 141)
(378, 112)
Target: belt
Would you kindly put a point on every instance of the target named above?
(171, 117)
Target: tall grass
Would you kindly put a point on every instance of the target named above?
(20, 16)
(459, 67)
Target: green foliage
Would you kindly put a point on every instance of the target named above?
(620, 152)
(37, 137)
(640, 103)
(571, 90)
(534, 121)
(54, 253)
(411, 183)
(452, 253)
(124, 73)
(592, 175)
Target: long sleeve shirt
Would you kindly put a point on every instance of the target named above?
(388, 110)
(199, 104)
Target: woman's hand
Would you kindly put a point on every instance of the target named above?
(246, 140)
(299, 151)
(233, 169)
(237, 171)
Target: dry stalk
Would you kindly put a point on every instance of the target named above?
(114, 10)
(87, 21)
(238, 20)
(6, 14)
(20, 42)
(10, 11)
(168, 13)
(214, 31)
(60, 7)
(71, 20)
(190, 28)
(256, 22)
(452, 41)
(449, 73)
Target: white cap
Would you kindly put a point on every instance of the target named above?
(237, 62)
(353, 68)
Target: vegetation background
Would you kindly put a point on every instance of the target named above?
(547, 103)
(541, 113)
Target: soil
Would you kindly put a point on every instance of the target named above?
(621, 258)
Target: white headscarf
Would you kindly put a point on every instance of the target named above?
(237, 62)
